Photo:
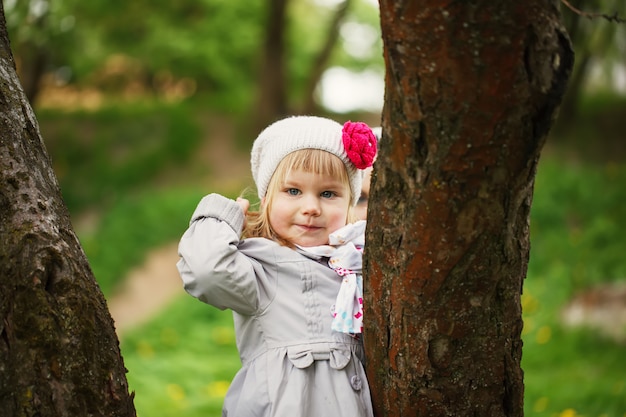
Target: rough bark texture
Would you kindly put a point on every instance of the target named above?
(59, 354)
(472, 88)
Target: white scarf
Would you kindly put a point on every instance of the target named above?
(345, 253)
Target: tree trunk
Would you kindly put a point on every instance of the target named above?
(472, 88)
(272, 102)
(33, 68)
(59, 354)
(321, 60)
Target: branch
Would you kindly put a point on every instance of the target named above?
(611, 18)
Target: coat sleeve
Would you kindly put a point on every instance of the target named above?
(211, 266)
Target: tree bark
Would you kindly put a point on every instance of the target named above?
(472, 89)
(59, 354)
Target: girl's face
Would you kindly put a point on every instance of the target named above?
(308, 207)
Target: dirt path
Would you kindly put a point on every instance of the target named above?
(147, 289)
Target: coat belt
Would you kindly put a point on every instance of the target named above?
(302, 356)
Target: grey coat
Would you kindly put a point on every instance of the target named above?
(292, 363)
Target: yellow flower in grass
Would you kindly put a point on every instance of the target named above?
(175, 392)
(223, 335)
(569, 412)
(144, 349)
(540, 405)
(529, 325)
(529, 303)
(544, 334)
(218, 388)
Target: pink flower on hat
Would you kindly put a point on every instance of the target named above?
(360, 144)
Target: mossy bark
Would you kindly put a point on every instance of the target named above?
(59, 354)
(472, 88)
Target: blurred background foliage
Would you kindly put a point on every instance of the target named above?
(180, 49)
(146, 106)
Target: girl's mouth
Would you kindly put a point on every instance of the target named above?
(309, 228)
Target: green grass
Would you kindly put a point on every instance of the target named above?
(578, 222)
(573, 370)
(183, 362)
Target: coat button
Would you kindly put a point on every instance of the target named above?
(356, 383)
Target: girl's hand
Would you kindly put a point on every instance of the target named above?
(244, 204)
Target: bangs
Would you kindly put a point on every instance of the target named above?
(315, 161)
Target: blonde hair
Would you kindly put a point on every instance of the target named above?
(308, 160)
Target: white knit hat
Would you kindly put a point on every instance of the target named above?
(353, 143)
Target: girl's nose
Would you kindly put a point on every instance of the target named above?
(311, 206)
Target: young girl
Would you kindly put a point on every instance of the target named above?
(294, 282)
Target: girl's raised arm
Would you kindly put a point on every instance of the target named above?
(211, 266)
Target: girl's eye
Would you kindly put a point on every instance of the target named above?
(327, 194)
(362, 199)
(293, 191)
